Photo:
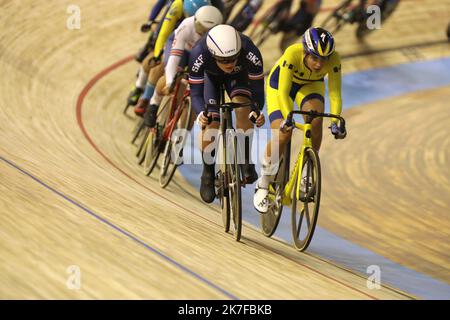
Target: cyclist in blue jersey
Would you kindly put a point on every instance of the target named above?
(225, 57)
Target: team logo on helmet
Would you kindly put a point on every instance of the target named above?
(318, 42)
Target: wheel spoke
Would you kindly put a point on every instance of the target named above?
(308, 218)
(299, 226)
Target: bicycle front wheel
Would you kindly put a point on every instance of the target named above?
(305, 205)
(173, 151)
(222, 179)
(152, 151)
(270, 220)
(234, 187)
(273, 18)
(334, 21)
(140, 153)
(137, 131)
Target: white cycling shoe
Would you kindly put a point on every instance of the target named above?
(260, 199)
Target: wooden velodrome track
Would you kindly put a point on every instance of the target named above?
(63, 202)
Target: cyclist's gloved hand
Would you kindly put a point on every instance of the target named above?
(204, 119)
(146, 26)
(336, 131)
(286, 127)
(257, 118)
(154, 61)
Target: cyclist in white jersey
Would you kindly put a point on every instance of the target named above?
(177, 51)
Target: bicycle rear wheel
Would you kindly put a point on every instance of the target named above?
(222, 185)
(334, 21)
(270, 220)
(305, 209)
(140, 153)
(152, 150)
(234, 187)
(137, 131)
(126, 108)
(155, 141)
(288, 39)
(273, 19)
(174, 147)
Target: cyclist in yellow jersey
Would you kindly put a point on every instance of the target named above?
(171, 19)
(299, 76)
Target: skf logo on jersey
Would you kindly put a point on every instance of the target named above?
(254, 59)
(198, 63)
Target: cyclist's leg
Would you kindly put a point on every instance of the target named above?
(277, 144)
(311, 97)
(304, 16)
(144, 71)
(155, 73)
(209, 142)
(154, 96)
(239, 92)
(141, 80)
(153, 70)
(275, 147)
(245, 17)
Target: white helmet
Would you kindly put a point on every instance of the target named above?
(224, 42)
(208, 17)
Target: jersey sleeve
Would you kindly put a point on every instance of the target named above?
(334, 85)
(256, 75)
(170, 20)
(176, 53)
(287, 63)
(156, 9)
(197, 78)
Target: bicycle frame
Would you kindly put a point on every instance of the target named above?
(276, 7)
(174, 115)
(307, 143)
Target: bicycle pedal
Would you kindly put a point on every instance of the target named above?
(307, 199)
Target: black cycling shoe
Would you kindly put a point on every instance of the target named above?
(150, 115)
(207, 188)
(134, 96)
(249, 173)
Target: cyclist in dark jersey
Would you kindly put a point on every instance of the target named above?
(225, 57)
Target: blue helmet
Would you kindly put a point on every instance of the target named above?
(318, 42)
(191, 6)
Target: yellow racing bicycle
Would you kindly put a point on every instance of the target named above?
(304, 198)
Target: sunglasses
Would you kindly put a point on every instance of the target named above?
(317, 58)
(226, 60)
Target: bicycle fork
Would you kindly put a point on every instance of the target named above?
(298, 168)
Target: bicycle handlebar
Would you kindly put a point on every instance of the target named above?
(146, 27)
(314, 114)
(230, 105)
